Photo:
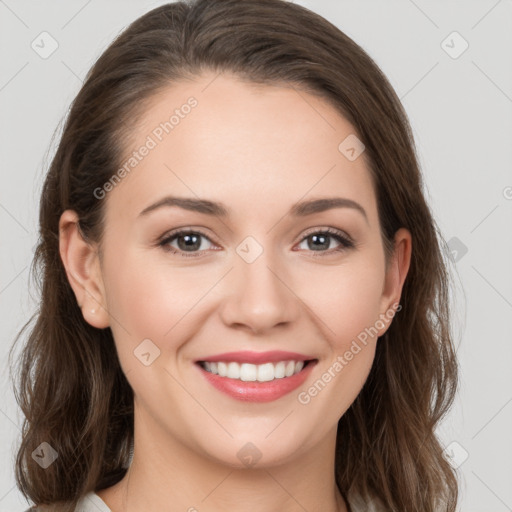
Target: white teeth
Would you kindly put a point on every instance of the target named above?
(265, 372)
(248, 372)
(233, 371)
(222, 369)
(279, 370)
(255, 372)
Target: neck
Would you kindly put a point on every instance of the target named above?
(165, 470)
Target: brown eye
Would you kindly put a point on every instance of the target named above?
(187, 242)
(320, 241)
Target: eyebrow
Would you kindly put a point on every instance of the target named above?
(300, 209)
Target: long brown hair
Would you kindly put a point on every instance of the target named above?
(71, 387)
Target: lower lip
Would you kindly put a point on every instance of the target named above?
(258, 391)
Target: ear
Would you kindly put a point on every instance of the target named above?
(83, 270)
(395, 276)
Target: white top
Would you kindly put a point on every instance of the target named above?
(91, 502)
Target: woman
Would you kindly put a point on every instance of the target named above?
(244, 298)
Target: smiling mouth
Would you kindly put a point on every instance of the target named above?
(247, 372)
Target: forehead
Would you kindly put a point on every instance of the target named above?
(241, 143)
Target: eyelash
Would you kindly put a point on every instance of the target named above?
(345, 242)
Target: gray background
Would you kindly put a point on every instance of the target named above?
(460, 109)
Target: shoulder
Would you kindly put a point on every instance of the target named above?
(90, 502)
(359, 504)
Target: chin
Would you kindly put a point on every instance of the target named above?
(256, 454)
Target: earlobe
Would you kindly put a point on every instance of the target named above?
(396, 274)
(81, 262)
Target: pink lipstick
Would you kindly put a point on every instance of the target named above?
(256, 376)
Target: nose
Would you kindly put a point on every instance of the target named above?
(259, 296)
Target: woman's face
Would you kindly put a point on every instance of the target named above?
(257, 274)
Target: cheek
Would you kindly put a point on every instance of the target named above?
(347, 302)
(347, 299)
(154, 300)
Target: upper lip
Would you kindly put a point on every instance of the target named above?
(247, 356)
